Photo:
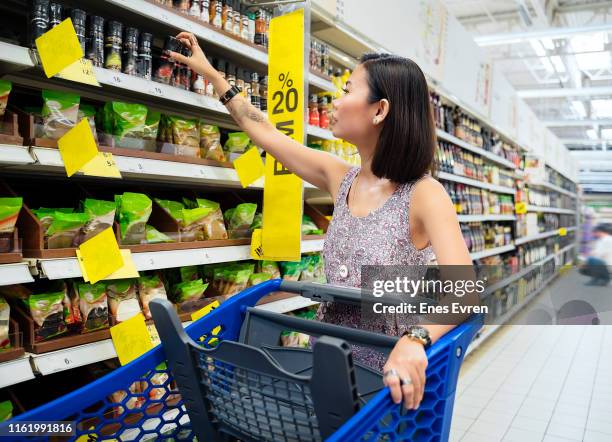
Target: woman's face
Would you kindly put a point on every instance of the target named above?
(353, 114)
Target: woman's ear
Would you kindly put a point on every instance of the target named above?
(381, 111)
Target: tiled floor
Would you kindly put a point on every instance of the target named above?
(537, 383)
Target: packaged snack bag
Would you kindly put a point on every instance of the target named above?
(93, 304)
(60, 113)
(122, 299)
(150, 287)
(134, 210)
(9, 212)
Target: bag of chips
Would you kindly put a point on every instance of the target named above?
(122, 299)
(134, 210)
(64, 230)
(237, 142)
(269, 267)
(149, 288)
(9, 212)
(60, 113)
(101, 216)
(93, 304)
(5, 312)
(154, 236)
(5, 90)
(47, 311)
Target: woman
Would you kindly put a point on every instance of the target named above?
(389, 211)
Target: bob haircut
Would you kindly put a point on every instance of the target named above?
(407, 142)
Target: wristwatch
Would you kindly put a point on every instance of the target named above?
(231, 93)
(419, 334)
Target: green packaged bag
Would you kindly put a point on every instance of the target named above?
(257, 221)
(134, 212)
(60, 113)
(6, 411)
(291, 271)
(189, 273)
(122, 299)
(5, 90)
(154, 236)
(237, 142)
(258, 278)
(185, 131)
(151, 126)
(94, 305)
(227, 215)
(149, 288)
(129, 119)
(89, 112)
(307, 268)
(271, 268)
(9, 212)
(101, 216)
(5, 313)
(189, 291)
(309, 227)
(47, 311)
(45, 216)
(202, 202)
(174, 208)
(243, 216)
(64, 230)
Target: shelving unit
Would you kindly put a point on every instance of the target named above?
(15, 371)
(322, 134)
(479, 218)
(18, 273)
(14, 155)
(550, 210)
(467, 146)
(550, 186)
(492, 252)
(542, 235)
(475, 183)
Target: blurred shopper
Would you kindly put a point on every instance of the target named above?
(599, 263)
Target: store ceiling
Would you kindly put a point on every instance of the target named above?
(558, 55)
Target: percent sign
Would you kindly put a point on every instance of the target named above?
(287, 95)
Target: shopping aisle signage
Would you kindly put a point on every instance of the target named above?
(282, 208)
(249, 167)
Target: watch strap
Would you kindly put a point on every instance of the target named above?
(227, 96)
(423, 338)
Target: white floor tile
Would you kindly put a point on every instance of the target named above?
(569, 419)
(455, 435)
(474, 437)
(519, 435)
(468, 411)
(594, 436)
(492, 429)
(461, 423)
(549, 438)
(529, 424)
(567, 431)
(497, 418)
(602, 426)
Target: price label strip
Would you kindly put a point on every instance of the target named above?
(102, 165)
(131, 339)
(58, 48)
(282, 207)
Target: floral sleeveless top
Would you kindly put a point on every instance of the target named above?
(380, 238)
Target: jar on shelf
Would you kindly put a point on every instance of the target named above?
(145, 60)
(113, 44)
(130, 51)
(95, 40)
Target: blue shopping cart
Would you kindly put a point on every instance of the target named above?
(229, 379)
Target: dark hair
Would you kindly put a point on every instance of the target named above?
(407, 142)
(604, 227)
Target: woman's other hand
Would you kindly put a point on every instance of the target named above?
(404, 373)
(198, 61)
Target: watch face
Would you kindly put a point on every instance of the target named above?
(419, 332)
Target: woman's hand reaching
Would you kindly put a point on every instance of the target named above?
(404, 373)
(198, 61)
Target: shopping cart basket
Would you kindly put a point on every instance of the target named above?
(240, 383)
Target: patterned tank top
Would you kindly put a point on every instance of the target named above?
(380, 238)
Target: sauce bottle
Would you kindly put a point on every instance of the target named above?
(237, 19)
(130, 51)
(95, 41)
(56, 14)
(227, 16)
(163, 73)
(145, 59)
(216, 13)
(313, 111)
(205, 11)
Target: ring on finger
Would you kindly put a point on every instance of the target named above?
(406, 381)
(391, 372)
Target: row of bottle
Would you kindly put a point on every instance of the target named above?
(233, 16)
(554, 177)
(320, 110)
(482, 236)
(470, 200)
(534, 223)
(319, 57)
(458, 161)
(340, 148)
(535, 251)
(547, 198)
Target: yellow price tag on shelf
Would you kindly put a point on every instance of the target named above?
(103, 165)
(520, 208)
(249, 167)
(77, 147)
(205, 310)
(563, 231)
(127, 271)
(155, 340)
(256, 248)
(58, 48)
(80, 71)
(100, 256)
(282, 207)
(131, 339)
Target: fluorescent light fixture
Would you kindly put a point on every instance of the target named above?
(579, 109)
(601, 108)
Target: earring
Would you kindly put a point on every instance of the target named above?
(376, 120)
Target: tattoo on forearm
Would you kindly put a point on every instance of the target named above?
(240, 110)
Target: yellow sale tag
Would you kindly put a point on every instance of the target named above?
(100, 256)
(249, 167)
(77, 147)
(256, 249)
(80, 71)
(127, 271)
(155, 340)
(282, 208)
(520, 208)
(205, 310)
(562, 231)
(58, 48)
(103, 164)
(131, 339)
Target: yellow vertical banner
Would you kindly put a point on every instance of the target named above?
(282, 208)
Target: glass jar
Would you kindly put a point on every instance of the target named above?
(113, 44)
(130, 51)
(145, 59)
(95, 40)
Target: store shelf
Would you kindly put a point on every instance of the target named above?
(11, 155)
(288, 305)
(478, 218)
(475, 183)
(181, 22)
(467, 146)
(18, 273)
(542, 235)
(321, 83)
(16, 56)
(550, 210)
(69, 267)
(16, 371)
(492, 252)
(322, 134)
(552, 187)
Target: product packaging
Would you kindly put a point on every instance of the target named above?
(151, 130)
(64, 230)
(122, 299)
(6, 411)
(47, 311)
(5, 90)
(72, 311)
(192, 221)
(214, 226)
(93, 305)
(60, 113)
(9, 212)
(291, 271)
(134, 210)
(149, 288)
(154, 236)
(5, 312)
(185, 131)
(89, 112)
(129, 124)
(240, 220)
(309, 227)
(187, 294)
(258, 278)
(101, 217)
(269, 267)
(210, 142)
(237, 142)
(232, 278)
(189, 273)
(45, 216)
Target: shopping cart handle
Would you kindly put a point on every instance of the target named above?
(323, 292)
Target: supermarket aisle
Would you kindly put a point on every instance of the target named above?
(538, 383)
